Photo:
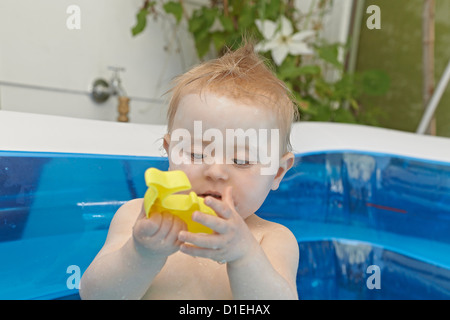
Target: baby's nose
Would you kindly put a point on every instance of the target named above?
(216, 171)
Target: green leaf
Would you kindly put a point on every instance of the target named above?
(329, 53)
(174, 8)
(141, 22)
(199, 25)
(202, 20)
(261, 9)
(209, 16)
(195, 23)
(227, 23)
(310, 69)
(202, 46)
(219, 39)
(354, 104)
(247, 17)
(273, 9)
(286, 69)
(289, 71)
(293, 73)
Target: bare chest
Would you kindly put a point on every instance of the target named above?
(186, 277)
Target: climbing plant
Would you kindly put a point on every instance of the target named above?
(310, 66)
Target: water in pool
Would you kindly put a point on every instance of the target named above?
(369, 226)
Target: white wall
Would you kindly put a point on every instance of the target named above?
(37, 49)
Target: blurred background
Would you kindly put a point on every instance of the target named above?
(366, 66)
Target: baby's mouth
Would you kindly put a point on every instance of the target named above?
(213, 194)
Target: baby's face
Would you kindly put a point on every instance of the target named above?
(219, 142)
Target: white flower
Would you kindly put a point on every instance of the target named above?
(281, 41)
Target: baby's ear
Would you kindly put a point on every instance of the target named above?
(286, 162)
(166, 142)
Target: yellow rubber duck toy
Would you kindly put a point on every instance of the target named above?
(160, 198)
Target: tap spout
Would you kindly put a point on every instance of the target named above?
(118, 89)
(116, 82)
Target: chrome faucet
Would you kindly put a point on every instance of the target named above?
(102, 90)
(116, 82)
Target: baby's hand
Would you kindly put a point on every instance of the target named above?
(232, 239)
(157, 235)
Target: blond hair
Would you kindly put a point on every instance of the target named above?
(238, 75)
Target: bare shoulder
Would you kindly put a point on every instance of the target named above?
(127, 214)
(269, 230)
(281, 240)
(279, 244)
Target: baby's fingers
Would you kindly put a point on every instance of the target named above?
(177, 226)
(228, 196)
(217, 224)
(198, 251)
(221, 208)
(201, 240)
(147, 227)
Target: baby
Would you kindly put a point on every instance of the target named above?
(232, 98)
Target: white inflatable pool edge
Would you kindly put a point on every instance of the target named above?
(310, 137)
(46, 133)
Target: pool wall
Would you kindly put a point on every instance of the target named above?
(356, 197)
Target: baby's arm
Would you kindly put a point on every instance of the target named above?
(134, 252)
(269, 271)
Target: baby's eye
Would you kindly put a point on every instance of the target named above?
(240, 162)
(196, 156)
